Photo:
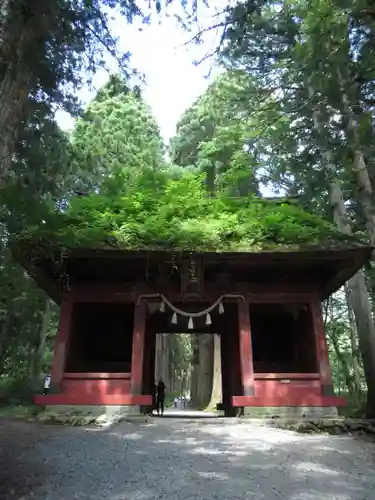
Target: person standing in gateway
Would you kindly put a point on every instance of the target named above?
(160, 397)
(154, 393)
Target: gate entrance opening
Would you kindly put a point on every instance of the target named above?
(225, 326)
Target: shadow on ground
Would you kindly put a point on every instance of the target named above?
(181, 459)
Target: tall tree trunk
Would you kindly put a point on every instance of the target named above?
(353, 342)
(158, 357)
(366, 335)
(206, 362)
(357, 284)
(4, 333)
(162, 369)
(166, 367)
(344, 366)
(365, 191)
(360, 304)
(216, 393)
(20, 29)
(37, 355)
(194, 379)
(211, 179)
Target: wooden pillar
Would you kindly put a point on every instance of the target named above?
(139, 331)
(148, 380)
(246, 351)
(61, 343)
(323, 363)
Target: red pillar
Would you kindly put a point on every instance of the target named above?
(61, 343)
(323, 363)
(246, 351)
(139, 331)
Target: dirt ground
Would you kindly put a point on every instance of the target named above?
(176, 459)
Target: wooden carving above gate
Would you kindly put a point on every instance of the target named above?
(192, 278)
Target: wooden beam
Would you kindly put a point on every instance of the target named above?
(38, 273)
(96, 376)
(254, 292)
(292, 376)
(93, 399)
(305, 400)
(220, 257)
(279, 298)
(139, 332)
(111, 292)
(349, 260)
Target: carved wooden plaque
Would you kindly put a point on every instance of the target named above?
(192, 278)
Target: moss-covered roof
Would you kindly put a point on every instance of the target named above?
(178, 216)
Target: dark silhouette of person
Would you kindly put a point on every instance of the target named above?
(160, 397)
(154, 392)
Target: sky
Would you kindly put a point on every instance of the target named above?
(161, 53)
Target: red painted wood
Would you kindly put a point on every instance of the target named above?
(99, 375)
(303, 400)
(253, 292)
(111, 292)
(102, 296)
(100, 387)
(138, 347)
(246, 351)
(299, 376)
(93, 399)
(238, 257)
(321, 343)
(348, 260)
(274, 297)
(279, 389)
(61, 342)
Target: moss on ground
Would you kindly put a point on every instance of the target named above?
(338, 426)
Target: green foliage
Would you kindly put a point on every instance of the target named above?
(160, 213)
(180, 351)
(23, 411)
(116, 138)
(288, 48)
(42, 170)
(215, 135)
(41, 174)
(254, 125)
(311, 61)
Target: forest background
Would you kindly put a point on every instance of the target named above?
(292, 110)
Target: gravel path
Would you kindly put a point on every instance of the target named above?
(181, 460)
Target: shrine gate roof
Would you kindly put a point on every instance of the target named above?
(326, 269)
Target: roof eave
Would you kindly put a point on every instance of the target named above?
(360, 258)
